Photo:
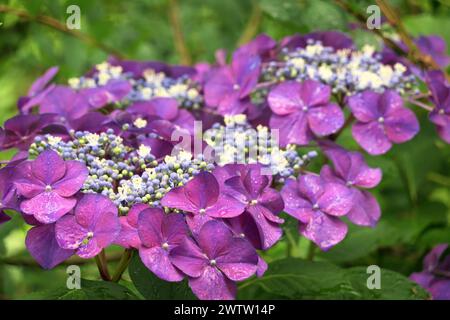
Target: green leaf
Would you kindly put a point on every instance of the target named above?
(298, 279)
(304, 14)
(153, 288)
(90, 290)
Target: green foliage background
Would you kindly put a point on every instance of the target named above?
(414, 193)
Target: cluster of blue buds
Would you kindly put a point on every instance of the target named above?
(125, 175)
(157, 84)
(346, 71)
(238, 142)
(151, 185)
(151, 85)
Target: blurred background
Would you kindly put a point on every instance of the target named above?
(414, 193)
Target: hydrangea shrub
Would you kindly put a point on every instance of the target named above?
(103, 160)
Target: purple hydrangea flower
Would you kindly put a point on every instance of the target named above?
(160, 233)
(65, 102)
(20, 131)
(229, 87)
(302, 110)
(37, 91)
(317, 205)
(164, 109)
(435, 47)
(48, 185)
(43, 247)
(440, 96)
(201, 197)
(381, 121)
(263, 46)
(128, 236)
(114, 91)
(215, 261)
(261, 202)
(334, 39)
(8, 194)
(137, 68)
(351, 170)
(432, 277)
(93, 226)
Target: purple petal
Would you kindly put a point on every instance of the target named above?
(203, 190)
(293, 129)
(48, 207)
(189, 258)
(157, 260)
(196, 222)
(269, 232)
(128, 236)
(214, 239)
(48, 167)
(246, 69)
(240, 261)
(364, 106)
(366, 210)
(325, 120)
(371, 137)
(42, 81)
(440, 289)
(285, 98)
(91, 208)
(26, 183)
(212, 285)
(295, 205)
(226, 207)
(43, 247)
(337, 200)
(272, 200)
(314, 93)
(262, 267)
(325, 231)
(431, 261)
(73, 180)
(401, 125)
(149, 227)
(69, 234)
(311, 186)
(244, 226)
(176, 198)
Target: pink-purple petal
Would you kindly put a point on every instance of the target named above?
(47, 207)
(325, 120)
(212, 285)
(157, 260)
(43, 247)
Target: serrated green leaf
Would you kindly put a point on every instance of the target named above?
(299, 279)
(90, 290)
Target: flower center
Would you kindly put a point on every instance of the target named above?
(236, 87)
(253, 202)
(202, 211)
(349, 183)
(305, 108)
(441, 111)
(316, 206)
(212, 262)
(242, 235)
(89, 236)
(48, 188)
(165, 246)
(381, 120)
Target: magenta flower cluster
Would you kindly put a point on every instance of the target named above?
(105, 175)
